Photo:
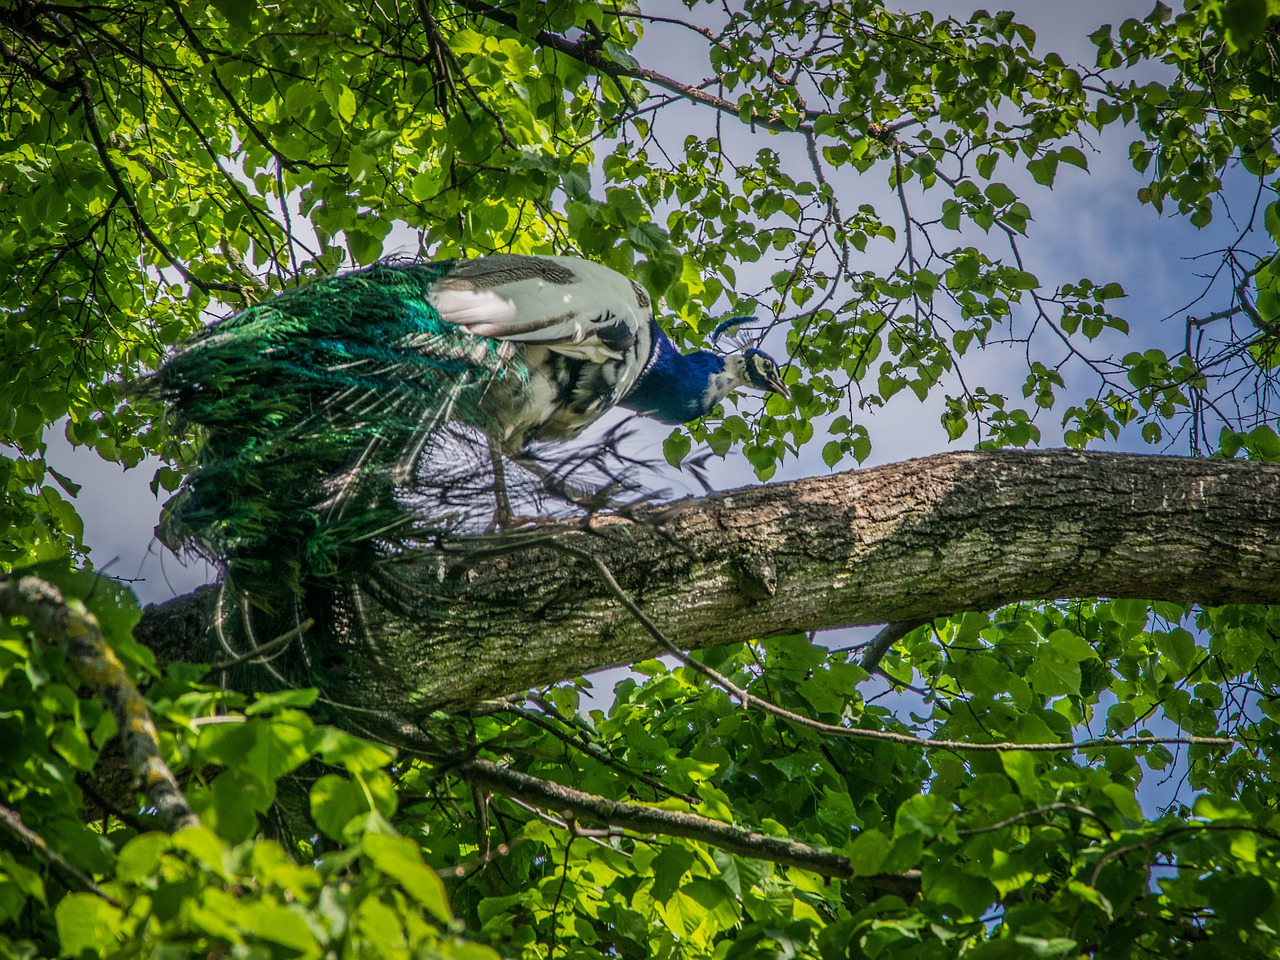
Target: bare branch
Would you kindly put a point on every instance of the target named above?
(68, 873)
(672, 823)
(589, 54)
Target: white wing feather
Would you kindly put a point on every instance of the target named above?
(567, 305)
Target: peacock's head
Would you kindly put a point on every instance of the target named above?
(761, 372)
(751, 367)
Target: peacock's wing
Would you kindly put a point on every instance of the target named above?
(571, 306)
(584, 333)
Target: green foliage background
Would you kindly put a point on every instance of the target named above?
(160, 159)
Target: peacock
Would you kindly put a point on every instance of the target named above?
(341, 423)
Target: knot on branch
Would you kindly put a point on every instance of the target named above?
(756, 576)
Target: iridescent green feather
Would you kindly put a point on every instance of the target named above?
(306, 405)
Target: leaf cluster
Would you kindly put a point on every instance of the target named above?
(950, 851)
(863, 180)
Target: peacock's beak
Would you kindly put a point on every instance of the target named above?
(774, 384)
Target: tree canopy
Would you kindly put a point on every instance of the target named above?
(1070, 774)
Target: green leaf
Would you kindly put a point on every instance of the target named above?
(1264, 444)
(239, 13)
(228, 807)
(1053, 677)
(951, 213)
(141, 857)
(968, 890)
(1180, 647)
(1120, 717)
(205, 848)
(1245, 21)
(1241, 901)
(1043, 170)
(86, 922)
(1022, 769)
(66, 483)
(400, 859)
(1071, 646)
(271, 702)
(1093, 896)
(793, 767)
(466, 41)
(72, 744)
(340, 748)
(259, 750)
(868, 851)
(1073, 156)
(346, 104)
(277, 923)
(999, 194)
(335, 802)
(1271, 220)
(719, 908)
(676, 447)
(669, 868)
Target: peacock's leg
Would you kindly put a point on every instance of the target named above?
(561, 488)
(502, 503)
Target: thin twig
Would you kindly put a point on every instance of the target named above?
(1025, 814)
(269, 647)
(67, 872)
(644, 819)
(855, 733)
(599, 754)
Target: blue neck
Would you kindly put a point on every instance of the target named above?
(674, 387)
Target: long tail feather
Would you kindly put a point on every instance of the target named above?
(315, 410)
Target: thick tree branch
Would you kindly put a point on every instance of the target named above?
(953, 532)
(857, 733)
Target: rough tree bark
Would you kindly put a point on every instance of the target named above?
(952, 532)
